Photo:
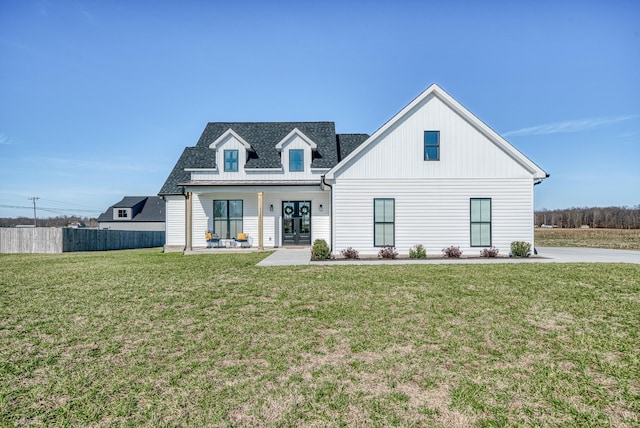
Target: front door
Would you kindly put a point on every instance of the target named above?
(296, 223)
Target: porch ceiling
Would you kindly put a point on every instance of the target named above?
(251, 183)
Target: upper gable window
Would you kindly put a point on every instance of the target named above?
(231, 160)
(296, 160)
(122, 214)
(431, 145)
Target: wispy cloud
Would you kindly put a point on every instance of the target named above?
(108, 165)
(578, 125)
(4, 139)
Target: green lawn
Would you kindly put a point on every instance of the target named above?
(130, 338)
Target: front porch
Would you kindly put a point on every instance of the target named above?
(270, 216)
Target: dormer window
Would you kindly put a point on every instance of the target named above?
(231, 160)
(122, 214)
(296, 160)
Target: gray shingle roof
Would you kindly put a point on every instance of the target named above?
(145, 208)
(263, 138)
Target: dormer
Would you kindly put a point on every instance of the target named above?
(296, 151)
(232, 152)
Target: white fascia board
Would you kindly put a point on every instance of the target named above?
(434, 89)
(299, 133)
(229, 132)
(320, 169)
(260, 170)
(201, 169)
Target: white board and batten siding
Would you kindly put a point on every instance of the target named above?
(432, 198)
(175, 222)
(202, 214)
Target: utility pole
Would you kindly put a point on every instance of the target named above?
(35, 217)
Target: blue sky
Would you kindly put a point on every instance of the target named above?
(99, 98)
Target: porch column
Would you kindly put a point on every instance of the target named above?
(260, 222)
(189, 222)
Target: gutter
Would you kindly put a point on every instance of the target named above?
(324, 183)
(535, 183)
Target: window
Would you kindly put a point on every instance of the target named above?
(431, 145)
(227, 218)
(122, 214)
(481, 222)
(383, 222)
(231, 160)
(296, 160)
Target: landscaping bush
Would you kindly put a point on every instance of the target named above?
(387, 253)
(350, 253)
(320, 250)
(417, 252)
(489, 252)
(451, 252)
(520, 249)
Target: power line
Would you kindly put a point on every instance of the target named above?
(49, 208)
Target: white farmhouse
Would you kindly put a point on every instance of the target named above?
(434, 175)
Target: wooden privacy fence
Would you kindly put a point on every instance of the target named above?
(58, 240)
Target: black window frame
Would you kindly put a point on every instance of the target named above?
(376, 223)
(231, 162)
(123, 213)
(301, 160)
(437, 145)
(480, 222)
(227, 218)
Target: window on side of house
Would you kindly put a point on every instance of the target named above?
(384, 222)
(227, 218)
(480, 222)
(296, 160)
(431, 145)
(122, 214)
(231, 160)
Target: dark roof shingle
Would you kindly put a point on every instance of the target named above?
(263, 138)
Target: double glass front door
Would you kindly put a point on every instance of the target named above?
(296, 223)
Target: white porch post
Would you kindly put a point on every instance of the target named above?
(260, 222)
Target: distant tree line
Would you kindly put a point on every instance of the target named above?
(60, 221)
(608, 217)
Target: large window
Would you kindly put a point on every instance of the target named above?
(431, 145)
(231, 160)
(296, 160)
(227, 218)
(383, 222)
(480, 222)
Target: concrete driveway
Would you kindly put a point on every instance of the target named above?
(587, 255)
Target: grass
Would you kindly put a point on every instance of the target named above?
(620, 239)
(141, 338)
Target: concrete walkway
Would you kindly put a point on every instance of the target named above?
(288, 257)
(293, 257)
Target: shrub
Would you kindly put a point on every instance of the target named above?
(320, 250)
(387, 253)
(520, 249)
(489, 252)
(451, 252)
(350, 253)
(417, 252)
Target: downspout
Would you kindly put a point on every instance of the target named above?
(187, 219)
(324, 183)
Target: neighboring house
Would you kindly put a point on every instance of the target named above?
(135, 213)
(434, 175)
